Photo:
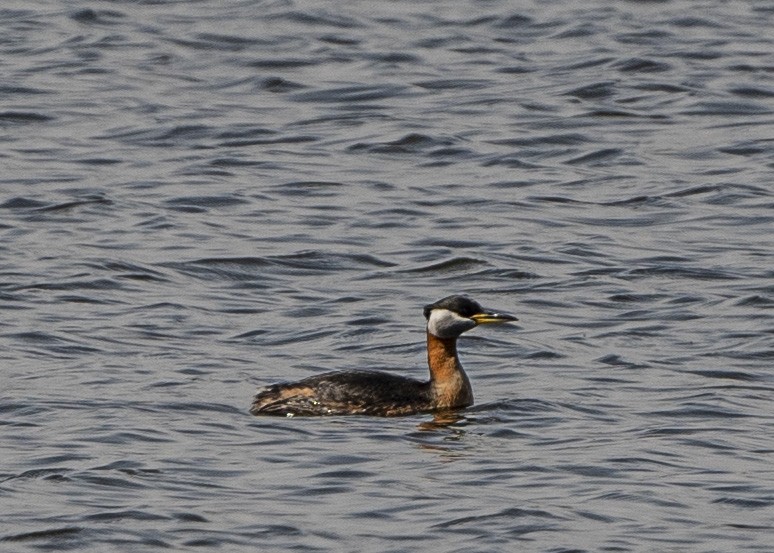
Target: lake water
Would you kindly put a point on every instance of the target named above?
(198, 198)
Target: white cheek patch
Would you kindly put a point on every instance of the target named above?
(447, 324)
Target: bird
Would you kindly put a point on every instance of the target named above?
(378, 393)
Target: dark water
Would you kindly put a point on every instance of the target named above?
(198, 198)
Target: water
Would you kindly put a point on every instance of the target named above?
(199, 198)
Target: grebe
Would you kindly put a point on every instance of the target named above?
(383, 394)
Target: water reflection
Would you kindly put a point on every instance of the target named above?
(442, 420)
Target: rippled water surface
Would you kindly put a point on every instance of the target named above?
(198, 198)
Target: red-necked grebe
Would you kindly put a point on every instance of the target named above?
(383, 394)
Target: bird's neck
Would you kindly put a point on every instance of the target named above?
(449, 383)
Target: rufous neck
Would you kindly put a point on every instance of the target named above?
(447, 378)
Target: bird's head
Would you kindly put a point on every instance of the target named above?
(453, 315)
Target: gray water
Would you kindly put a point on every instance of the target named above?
(200, 198)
